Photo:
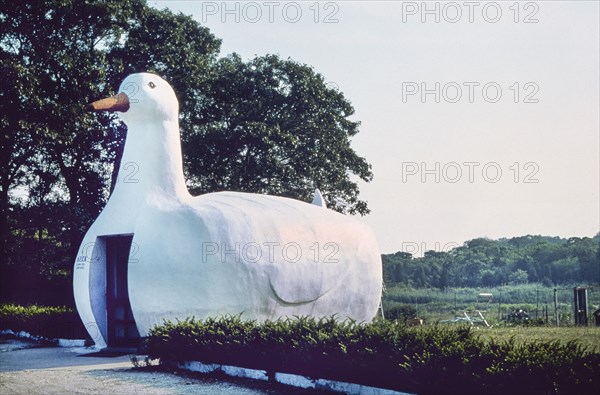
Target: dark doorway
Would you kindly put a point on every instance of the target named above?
(122, 331)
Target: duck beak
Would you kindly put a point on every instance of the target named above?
(119, 102)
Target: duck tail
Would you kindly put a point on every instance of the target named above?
(318, 199)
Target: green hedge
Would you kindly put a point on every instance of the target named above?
(45, 321)
(382, 354)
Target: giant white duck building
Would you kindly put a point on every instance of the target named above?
(155, 252)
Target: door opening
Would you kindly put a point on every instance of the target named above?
(122, 331)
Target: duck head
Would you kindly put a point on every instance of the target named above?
(148, 106)
(142, 97)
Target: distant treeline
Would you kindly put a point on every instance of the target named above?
(483, 262)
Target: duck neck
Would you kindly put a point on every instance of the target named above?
(151, 165)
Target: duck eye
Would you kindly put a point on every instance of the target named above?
(152, 85)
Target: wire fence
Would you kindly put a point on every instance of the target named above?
(528, 302)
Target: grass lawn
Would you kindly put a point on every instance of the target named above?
(588, 337)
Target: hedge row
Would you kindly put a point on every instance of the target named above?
(382, 354)
(44, 321)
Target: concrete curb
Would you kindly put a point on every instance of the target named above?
(71, 342)
(293, 380)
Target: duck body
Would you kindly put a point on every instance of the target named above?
(260, 256)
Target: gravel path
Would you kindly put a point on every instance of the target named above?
(117, 378)
(26, 369)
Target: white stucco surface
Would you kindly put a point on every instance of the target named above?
(220, 253)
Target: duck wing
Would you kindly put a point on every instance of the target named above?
(302, 250)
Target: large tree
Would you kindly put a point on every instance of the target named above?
(273, 126)
(267, 125)
(54, 155)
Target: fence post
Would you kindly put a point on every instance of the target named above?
(556, 308)
(580, 306)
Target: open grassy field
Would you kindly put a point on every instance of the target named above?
(588, 337)
(435, 305)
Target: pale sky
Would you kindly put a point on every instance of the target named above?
(511, 147)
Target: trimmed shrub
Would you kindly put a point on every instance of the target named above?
(384, 354)
(45, 321)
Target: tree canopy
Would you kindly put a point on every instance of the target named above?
(273, 126)
(486, 263)
(266, 125)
